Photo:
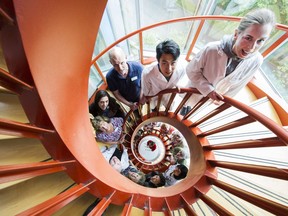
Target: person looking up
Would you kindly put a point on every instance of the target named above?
(134, 175)
(105, 105)
(108, 130)
(124, 79)
(176, 140)
(154, 179)
(117, 157)
(175, 173)
(179, 155)
(165, 73)
(225, 67)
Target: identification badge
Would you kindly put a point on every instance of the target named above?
(134, 78)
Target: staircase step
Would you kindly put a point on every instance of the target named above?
(11, 108)
(33, 191)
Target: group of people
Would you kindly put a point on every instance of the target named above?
(221, 68)
(117, 157)
(179, 150)
(107, 120)
(106, 117)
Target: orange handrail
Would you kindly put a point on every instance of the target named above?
(278, 130)
(141, 30)
(202, 19)
(267, 122)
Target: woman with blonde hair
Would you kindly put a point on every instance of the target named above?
(225, 67)
(107, 130)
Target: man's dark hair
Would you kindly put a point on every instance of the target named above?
(116, 153)
(148, 182)
(167, 47)
(184, 171)
(162, 180)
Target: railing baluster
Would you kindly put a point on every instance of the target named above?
(196, 107)
(198, 31)
(100, 73)
(275, 45)
(167, 209)
(147, 208)
(148, 108)
(171, 99)
(127, 207)
(159, 99)
(211, 114)
(182, 103)
(102, 205)
(7, 17)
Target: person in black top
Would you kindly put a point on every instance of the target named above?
(154, 179)
(105, 105)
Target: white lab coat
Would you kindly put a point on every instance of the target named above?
(153, 81)
(207, 69)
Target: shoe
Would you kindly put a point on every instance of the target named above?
(91, 207)
(183, 111)
(188, 109)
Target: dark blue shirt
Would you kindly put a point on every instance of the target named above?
(128, 87)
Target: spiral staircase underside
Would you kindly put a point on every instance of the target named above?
(50, 163)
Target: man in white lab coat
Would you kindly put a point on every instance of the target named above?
(166, 73)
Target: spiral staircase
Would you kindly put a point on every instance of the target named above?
(51, 165)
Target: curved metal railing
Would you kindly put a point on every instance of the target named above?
(73, 150)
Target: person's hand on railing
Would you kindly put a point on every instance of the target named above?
(215, 96)
(134, 106)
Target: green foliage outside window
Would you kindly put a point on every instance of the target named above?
(187, 5)
(281, 73)
(280, 8)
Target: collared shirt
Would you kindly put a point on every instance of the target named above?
(153, 81)
(129, 87)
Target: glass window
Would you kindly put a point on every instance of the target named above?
(94, 81)
(275, 68)
(125, 16)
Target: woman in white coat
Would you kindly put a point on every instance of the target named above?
(225, 67)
